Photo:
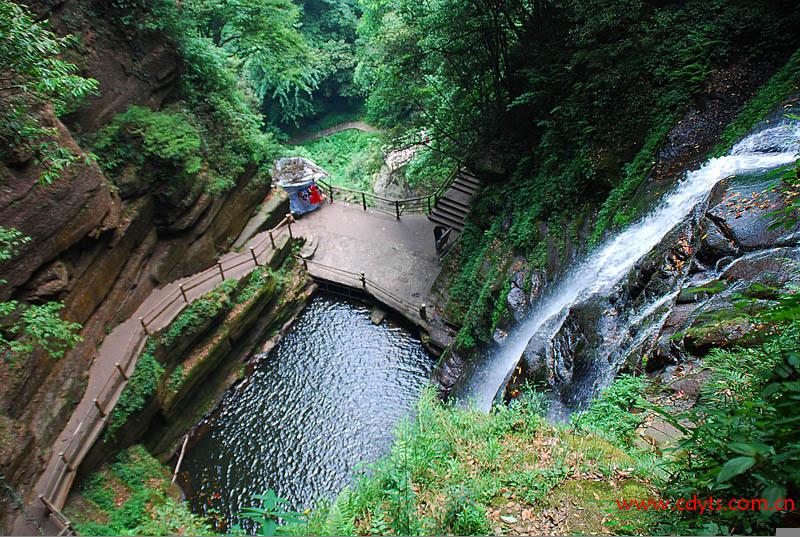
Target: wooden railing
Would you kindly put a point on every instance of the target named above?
(391, 206)
(360, 281)
(94, 421)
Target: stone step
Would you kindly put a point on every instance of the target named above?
(466, 189)
(458, 197)
(439, 218)
(457, 210)
(465, 173)
(469, 180)
(459, 216)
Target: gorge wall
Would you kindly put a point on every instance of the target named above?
(98, 244)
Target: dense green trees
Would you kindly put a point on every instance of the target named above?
(263, 39)
(569, 101)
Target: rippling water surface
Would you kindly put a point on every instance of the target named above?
(323, 400)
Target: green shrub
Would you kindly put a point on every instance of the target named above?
(465, 516)
(257, 279)
(435, 452)
(141, 386)
(169, 142)
(351, 157)
(132, 495)
(199, 312)
(746, 443)
(612, 413)
(176, 379)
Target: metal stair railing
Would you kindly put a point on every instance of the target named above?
(391, 206)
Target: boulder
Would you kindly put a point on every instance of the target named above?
(743, 215)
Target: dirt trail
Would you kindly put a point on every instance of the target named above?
(357, 125)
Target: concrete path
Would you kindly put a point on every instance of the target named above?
(396, 254)
(123, 346)
(357, 125)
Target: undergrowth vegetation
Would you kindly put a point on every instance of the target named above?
(459, 471)
(352, 157)
(746, 443)
(132, 496)
(213, 133)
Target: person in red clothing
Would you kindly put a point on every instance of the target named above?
(314, 197)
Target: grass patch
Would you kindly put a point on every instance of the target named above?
(459, 471)
(610, 414)
(200, 311)
(141, 386)
(130, 497)
(351, 157)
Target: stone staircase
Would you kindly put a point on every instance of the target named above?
(452, 207)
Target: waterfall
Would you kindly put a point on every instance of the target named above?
(611, 261)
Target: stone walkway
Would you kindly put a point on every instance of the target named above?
(123, 346)
(398, 255)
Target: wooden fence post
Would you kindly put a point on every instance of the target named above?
(363, 280)
(364, 200)
(290, 219)
(221, 272)
(100, 408)
(144, 325)
(121, 371)
(305, 264)
(272, 239)
(397, 209)
(183, 293)
(63, 457)
(423, 312)
(253, 255)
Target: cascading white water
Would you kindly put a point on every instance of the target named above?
(609, 263)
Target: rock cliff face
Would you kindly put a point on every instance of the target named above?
(95, 246)
(688, 145)
(698, 289)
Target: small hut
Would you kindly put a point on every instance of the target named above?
(298, 177)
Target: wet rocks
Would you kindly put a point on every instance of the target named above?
(449, 371)
(517, 302)
(742, 215)
(377, 315)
